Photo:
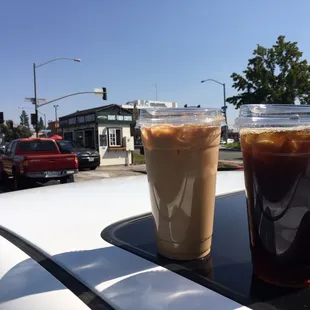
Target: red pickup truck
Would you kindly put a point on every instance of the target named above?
(38, 160)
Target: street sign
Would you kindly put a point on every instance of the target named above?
(101, 92)
(32, 100)
(98, 91)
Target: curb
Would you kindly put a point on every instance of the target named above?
(219, 169)
(226, 149)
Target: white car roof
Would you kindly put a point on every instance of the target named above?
(16, 292)
(64, 222)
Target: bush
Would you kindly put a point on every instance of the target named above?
(233, 145)
(138, 159)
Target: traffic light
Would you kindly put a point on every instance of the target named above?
(104, 94)
(33, 119)
(223, 110)
(1, 118)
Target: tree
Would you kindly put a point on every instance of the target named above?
(135, 132)
(41, 123)
(273, 75)
(135, 112)
(24, 119)
(15, 133)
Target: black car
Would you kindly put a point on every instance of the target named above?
(88, 158)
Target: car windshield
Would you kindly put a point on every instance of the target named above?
(30, 146)
(66, 145)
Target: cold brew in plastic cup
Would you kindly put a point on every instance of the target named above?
(275, 141)
(181, 150)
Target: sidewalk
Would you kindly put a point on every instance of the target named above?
(133, 168)
(136, 169)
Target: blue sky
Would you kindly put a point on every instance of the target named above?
(129, 45)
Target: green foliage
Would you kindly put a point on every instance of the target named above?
(135, 116)
(273, 75)
(135, 113)
(41, 125)
(15, 133)
(235, 145)
(138, 159)
(24, 119)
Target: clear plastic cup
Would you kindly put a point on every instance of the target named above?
(275, 141)
(181, 150)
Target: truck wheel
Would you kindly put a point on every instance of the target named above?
(18, 182)
(3, 178)
(68, 179)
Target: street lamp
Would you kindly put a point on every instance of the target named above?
(44, 115)
(35, 101)
(56, 108)
(224, 107)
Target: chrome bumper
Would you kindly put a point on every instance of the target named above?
(50, 174)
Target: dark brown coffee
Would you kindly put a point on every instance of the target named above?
(181, 166)
(277, 179)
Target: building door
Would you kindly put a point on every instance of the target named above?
(89, 139)
(79, 138)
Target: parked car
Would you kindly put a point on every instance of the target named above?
(88, 158)
(2, 149)
(37, 160)
(228, 141)
(80, 253)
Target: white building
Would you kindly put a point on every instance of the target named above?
(106, 129)
(144, 104)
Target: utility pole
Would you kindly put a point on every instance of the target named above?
(35, 99)
(224, 107)
(56, 108)
(225, 110)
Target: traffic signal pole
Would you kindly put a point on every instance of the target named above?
(225, 115)
(102, 92)
(35, 99)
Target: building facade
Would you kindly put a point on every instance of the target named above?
(106, 129)
(144, 104)
(53, 126)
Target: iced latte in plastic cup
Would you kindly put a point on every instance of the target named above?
(181, 150)
(275, 141)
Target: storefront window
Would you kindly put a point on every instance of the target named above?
(89, 139)
(79, 137)
(115, 137)
(68, 136)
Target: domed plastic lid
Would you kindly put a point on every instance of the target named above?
(179, 116)
(273, 115)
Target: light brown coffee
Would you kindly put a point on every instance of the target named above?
(181, 166)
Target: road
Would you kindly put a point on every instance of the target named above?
(100, 173)
(120, 171)
(230, 155)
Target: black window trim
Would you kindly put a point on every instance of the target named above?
(51, 142)
(85, 294)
